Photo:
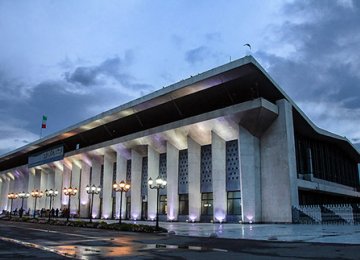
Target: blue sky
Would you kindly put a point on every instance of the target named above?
(72, 60)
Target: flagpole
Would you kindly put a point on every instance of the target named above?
(43, 124)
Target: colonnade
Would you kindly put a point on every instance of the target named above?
(266, 161)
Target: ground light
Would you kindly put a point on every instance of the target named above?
(36, 194)
(92, 190)
(121, 187)
(69, 192)
(23, 195)
(159, 184)
(51, 194)
(11, 197)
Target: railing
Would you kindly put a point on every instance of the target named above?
(327, 214)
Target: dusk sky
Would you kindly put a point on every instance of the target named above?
(71, 60)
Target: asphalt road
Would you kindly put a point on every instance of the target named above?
(25, 240)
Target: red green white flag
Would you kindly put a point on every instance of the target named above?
(43, 124)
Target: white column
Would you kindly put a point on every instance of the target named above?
(51, 178)
(37, 181)
(30, 200)
(75, 183)
(43, 187)
(121, 163)
(109, 159)
(153, 173)
(194, 156)
(4, 192)
(218, 159)
(1, 198)
(84, 196)
(66, 184)
(249, 160)
(95, 179)
(25, 186)
(278, 167)
(172, 168)
(58, 186)
(11, 190)
(136, 165)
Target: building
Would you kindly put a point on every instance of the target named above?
(230, 143)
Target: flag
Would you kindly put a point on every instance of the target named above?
(43, 124)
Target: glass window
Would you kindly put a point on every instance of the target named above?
(163, 204)
(207, 203)
(234, 203)
(183, 204)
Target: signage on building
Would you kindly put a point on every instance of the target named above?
(49, 155)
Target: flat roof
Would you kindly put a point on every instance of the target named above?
(231, 83)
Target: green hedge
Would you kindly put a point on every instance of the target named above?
(100, 225)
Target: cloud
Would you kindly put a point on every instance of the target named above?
(196, 55)
(82, 92)
(320, 61)
(13, 137)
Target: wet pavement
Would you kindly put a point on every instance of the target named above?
(59, 242)
(344, 234)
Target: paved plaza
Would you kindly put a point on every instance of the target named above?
(26, 240)
(343, 234)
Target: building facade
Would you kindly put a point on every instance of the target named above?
(230, 143)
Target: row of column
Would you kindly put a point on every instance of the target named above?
(77, 174)
(267, 177)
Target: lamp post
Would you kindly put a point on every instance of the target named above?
(11, 197)
(121, 187)
(69, 192)
(159, 184)
(36, 194)
(92, 190)
(51, 194)
(23, 195)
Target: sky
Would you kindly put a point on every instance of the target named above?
(71, 60)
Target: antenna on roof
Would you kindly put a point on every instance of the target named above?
(248, 44)
(248, 51)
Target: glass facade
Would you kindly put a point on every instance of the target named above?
(207, 203)
(325, 161)
(234, 203)
(183, 204)
(163, 204)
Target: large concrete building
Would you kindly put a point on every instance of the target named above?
(230, 143)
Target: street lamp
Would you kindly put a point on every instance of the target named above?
(159, 184)
(36, 194)
(92, 190)
(121, 187)
(51, 194)
(69, 192)
(23, 195)
(11, 197)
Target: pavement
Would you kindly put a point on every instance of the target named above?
(343, 234)
(184, 241)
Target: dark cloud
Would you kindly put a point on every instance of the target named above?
(91, 75)
(81, 93)
(197, 55)
(326, 58)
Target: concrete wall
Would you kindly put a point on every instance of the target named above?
(136, 166)
(278, 168)
(109, 159)
(153, 173)
(249, 156)
(120, 176)
(172, 166)
(194, 155)
(218, 153)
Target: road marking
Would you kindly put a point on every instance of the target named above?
(33, 245)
